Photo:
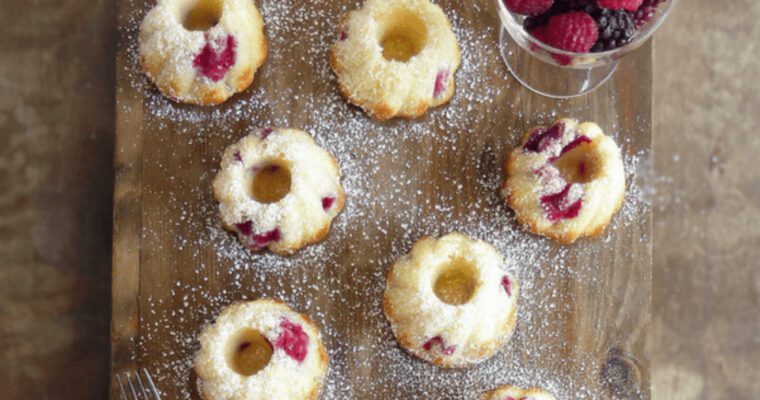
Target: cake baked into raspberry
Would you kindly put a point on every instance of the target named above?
(202, 51)
(508, 392)
(396, 57)
(278, 189)
(565, 181)
(450, 302)
(261, 350)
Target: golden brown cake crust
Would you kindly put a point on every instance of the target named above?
(228, 185)
(535, 222)
(517, 393)
(208, 381)
(200, 93)
(477, 354)
(379, 109)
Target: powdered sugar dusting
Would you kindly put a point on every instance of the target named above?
(339, 282)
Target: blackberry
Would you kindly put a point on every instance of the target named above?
(616, 29)
(531, 23)
(588, 6)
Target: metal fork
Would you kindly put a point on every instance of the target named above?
(140, 387)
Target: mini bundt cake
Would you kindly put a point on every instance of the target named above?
(514, 393)
(202, 51)
(261, 350)
(450, 302)
(396, 57)
(278, 189)
(565, 181)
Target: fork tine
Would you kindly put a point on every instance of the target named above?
(121, 388)
(141, 386)
(132, 386)
(151, 385)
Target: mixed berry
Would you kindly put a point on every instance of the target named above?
(583, 26)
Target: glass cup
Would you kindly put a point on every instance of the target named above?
(563, 74)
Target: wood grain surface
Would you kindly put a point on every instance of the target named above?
(56, 124)
(599, 313)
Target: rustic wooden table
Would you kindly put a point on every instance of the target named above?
(56, 116)
(585, 309)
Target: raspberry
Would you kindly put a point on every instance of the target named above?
(327, 203)
(266, 238)
(447, 351)
(246, 228)
(507, 285)
(214, 64)
(542, 138)
(440, 82)
(238, 157)
(574, 31)
(646, 12)
(528, 7)
(630, 5)
(557, 208)
(575, 143)
(293, 340)
(265, 133)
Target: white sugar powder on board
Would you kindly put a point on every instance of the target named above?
(382, 213)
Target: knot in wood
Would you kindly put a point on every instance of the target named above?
(621, 375)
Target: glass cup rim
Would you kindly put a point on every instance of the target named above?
(507, 18)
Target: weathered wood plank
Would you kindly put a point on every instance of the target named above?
(585, 312)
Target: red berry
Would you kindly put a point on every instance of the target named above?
(327, 203)
(246, 228)
(646, 12)
(447, 351)
(557, 208)
(507, 284)
(293, 340)
(261, 240)
(214, 61)
(629, 5)
(528, 7)
(265, 132)
(574, 31)
(570, 146)
(440, 82)
(542, 138)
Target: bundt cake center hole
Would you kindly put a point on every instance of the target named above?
(248, 352)
(456, 282)
(403, 37)
(202, 15)
(580, 165)
(271, 183)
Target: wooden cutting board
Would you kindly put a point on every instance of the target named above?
(584, 309)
